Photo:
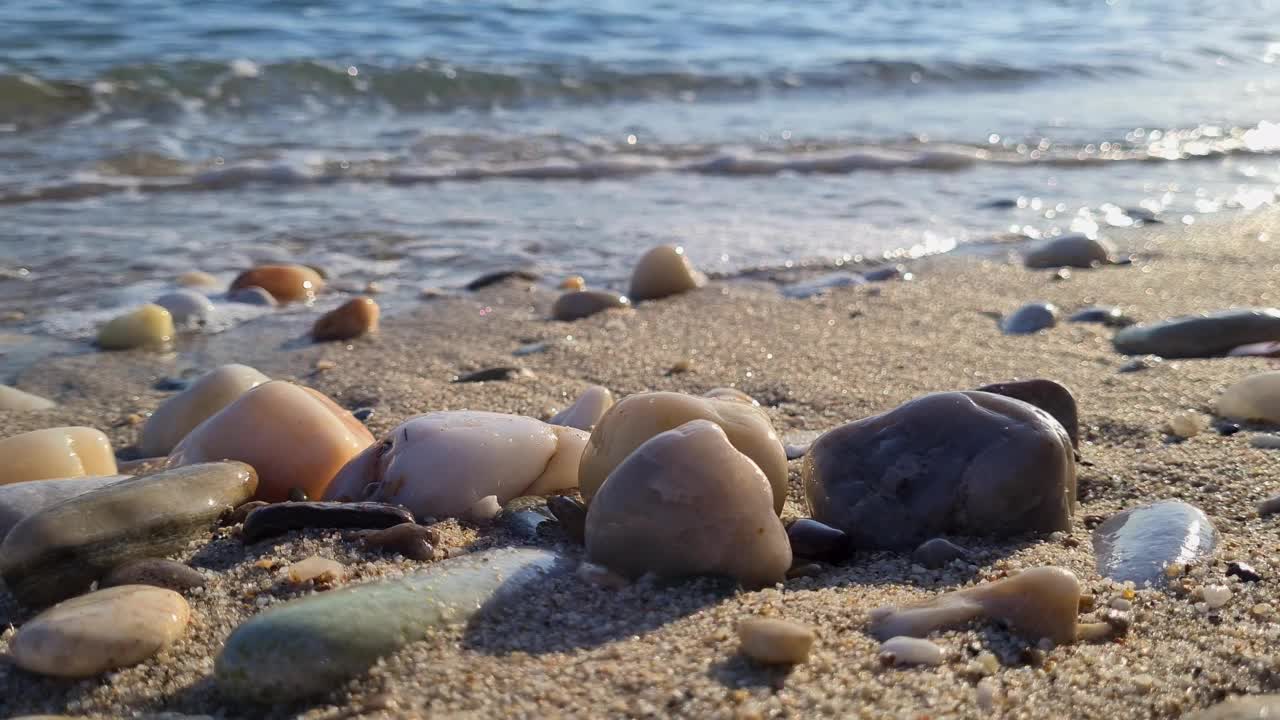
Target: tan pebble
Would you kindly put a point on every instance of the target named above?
(11, 398)
(664, 271)
(573, 282)
(988, 662)
(728, 393)
(586, 411)
(101, 631)
(1261, 610)
(1215, 596)
(776, 642)
(150, 326)
(180, 414)
(286, 283)
(680, 367)
(1256, 397)
(320, 570)
(130, 420)
(1187, 424)
(196, 278)
(156, 572)
(902, 650)
(63, 452)
(409, 539)
(356, 317)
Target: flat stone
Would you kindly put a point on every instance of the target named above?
(1030, 318)
(774, 641)
(937, 553)
(1138, 544)
(1205, 335)
(1051, 397)
(157, 572)
(1103, 315)
(101, 631)
(1075, 250)
(495, 374)
(59, 551)
(411, 540)
(822, 285)
(18, 500)
(277, 519)
(318, 570)
(11, 398)
(585, 303)
(501, 276)
(312, 645)
(812, 540)
(902, 650)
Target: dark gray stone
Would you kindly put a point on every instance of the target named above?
(280, 518)
(938, 553)
(1030, 318)
(1051, 397)
(1207, 335)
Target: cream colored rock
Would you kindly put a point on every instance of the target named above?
(441, 464)
(1186, 424)
(180, 414)
(1256, 397)
(149, 326)
(664, 271)
(101, 631)
(687, 502)
(586, 411)
(320, 570)
(293, 436)
(11, 398)
(636, 418)
(774, 641)
(902, 650)
(63, 452)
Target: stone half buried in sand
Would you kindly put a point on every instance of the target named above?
(150, 326)
(1051, 397)
(285, 283)
(11, 398)
(59, 551)
(686, 503)
(956, 463)
(586, 411)
(664, 271)
(1205, 335)
(442, 464)
(636, 418)
(293, 436)
(313, 645)
(180, 414)
(356, 317)
(1078, 251)
(1138, 545)
(62, 452)
(1030, 318)
(1256, 397)
(585, 303)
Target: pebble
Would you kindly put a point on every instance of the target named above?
(150, 326)
(252, 295)
(956, 463)
(664, 271)
(501, 276)
(578, 304)
(275, 415)
(524, 516)
(1256, 397)
(61, 452)
(11, 398)
(1146, 362)
(439, 464)
(1204, 335)
(362, 414)
(320, 570)
(888, 272)
(196, 278)
(812, 540)
(1215, 596)
(1051, 397)
(180, 414)
(572, 516)
(1102, 314)
(1186, 424)
(311, 645)
(774, 641)
(1244, 571)
(1228, 429)
(1265, 441)
(483, 510)
(938, 553)
(409, 539)
(355, 317)
(1076, 250)
(573, 282)
(586, 411)
(1271, 348)
(636, 418)
(101, 631)
(241, 513)
(285, 283)
(822, 285)
(59, 551)
(18, 500)
(496, 374)
(902, 650)
(279, 518)
(1138, 544)
(728, 393)
(687, 502)
(156, 572)
(188, 308)
(1251, 707)
(1269, 506)
(1030, 318)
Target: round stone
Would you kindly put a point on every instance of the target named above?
(1030, 318)
(286, 283)
(149, 326)
(1078, 251)
(663, 271)
(355, 317)
(188, 308)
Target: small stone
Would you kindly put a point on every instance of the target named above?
(496, 374)
(355, 317)
(1228, 429)
(888, 272)
(362, 414)
(483, 510)
(1269, 506)
(11, 398)
(180, 414)
(252, 295)
(1076, 250)
(902, 650)
(572, 516)
(1253, 707)
(1244, 571)
(280, 518)
(1186, 424)
(63, 452)
(155, 572)
(239, 515)
(196, 278)
(189, 309)
(150, 326)
(662, 272)
(1103, 315)
(579, 304)
(1060, 275)
(586, 411)
(285, 283)
(101, 631)
(938, 553)
(1205, 335)
(1261, 610)
(1215, 596)
(573, 282)
(325, 365)
(1137, 545)
(1257, 397)
(822, 285)
(298, 495)
(986, 695)
(775, 642)
(1030, 318)
(1146, 362)
(1051, 397)
(18, 500)
(501, 276)
(680, 367)
(409, 539)
(812, 540)
(316, 569)
(1265, 441)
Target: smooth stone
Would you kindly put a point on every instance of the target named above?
(636, 418)
(1138, 544)
(495, 374)
(1030, 318)
(956, 463)
(502, 276)
(59, 551)
(1051, 397)
(1249, 707)
(572, 516)
(483, 510)
(320, 570)
(579, 304)
(1205, 335)
(661, 272)
(157, 572)
(277, 519)
(188, 308)
(149, 326)
(180, 414)
(1077, 251)
(197, 278)
(524, 516)
(586, 411)
(285, 283)
(1038, 603)
(903, 650)
(775, 642)
(315, 644)
(687, 502)
(1264, 441)
(355, 317)
(252, 295)
(1256, 397)
(728, 393)
(1186, 424)
(61, 452)
(18, 500)
(822, 285)
(11, 398)
(266, 426)
(441, 464)
(410, 539)
(101, 631)
(362, 414)
(573, 282)
(1104, 315)
(812, 540)
(241, 513)
(938, 553)
(1271, 348)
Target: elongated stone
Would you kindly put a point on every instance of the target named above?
(286, 283)
(1256, 397)
(822, 285)
(1030, 318)
(903, 650)
(586, 411)
(1051, 397)
(180, 414)
(1078, 251)
(410, 539)
(315, 644)
(585, 303)
(64, 452)
(1138, 544)
(663, 271)
(501, 276)
(1103, 315)
(156, 572)
(1205, 335)
(774, 641)
(188, 308)
(150, 326)
(18, 500)
(59, 551)
(11, 398)
(280, 518)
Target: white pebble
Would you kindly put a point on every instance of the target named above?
(1215, 596)
(1187, 424)
(902, 650)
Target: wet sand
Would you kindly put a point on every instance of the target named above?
(577, 650)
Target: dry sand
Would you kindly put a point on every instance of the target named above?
(576, 650)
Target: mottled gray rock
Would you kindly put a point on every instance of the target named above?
(1030, 318)
(1138, 544)
(1051, 397)
(812, 540)
(1205, 335)
(18, 500)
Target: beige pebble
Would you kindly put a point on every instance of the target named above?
(663, 271)
(775, 641)
(903, 650)
(286, 283)
(356, 317)
(11, 398)
(1186, 424)
(321, 570)
(586, 411)
(1215, 596)
(180, 414)
(1256, 397)
(150, 326)
(63, 452)
(573, 282)
(101, 631)
(197, 279)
